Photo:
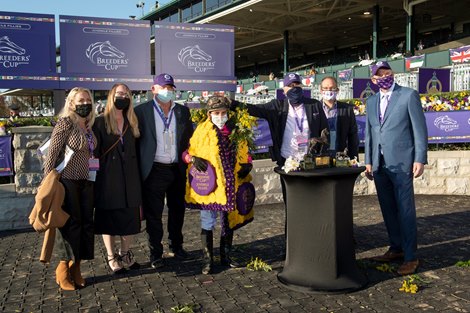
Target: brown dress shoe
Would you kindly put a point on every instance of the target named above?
(408, 268)
(388, 256)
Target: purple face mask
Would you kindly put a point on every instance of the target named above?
(385, 82)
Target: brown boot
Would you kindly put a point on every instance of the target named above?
(76, 273)
(62, 276)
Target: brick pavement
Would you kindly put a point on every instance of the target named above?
(444, 237)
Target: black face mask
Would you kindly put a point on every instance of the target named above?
(83, 110)
(295, 95)
(121, 103)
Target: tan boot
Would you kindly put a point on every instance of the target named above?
(76, 273)
(62, 276)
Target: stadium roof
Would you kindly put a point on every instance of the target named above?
(317, 26)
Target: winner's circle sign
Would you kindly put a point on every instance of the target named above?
(203, 183)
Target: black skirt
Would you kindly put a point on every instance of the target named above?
(119, 222)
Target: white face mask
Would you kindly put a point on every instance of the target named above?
(219, 120)
(165, 95)
(329, 95)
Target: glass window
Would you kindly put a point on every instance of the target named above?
(174, 17)
(197, 9)
(186, 14)
(211, 5)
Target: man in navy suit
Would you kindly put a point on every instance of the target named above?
(341, 119)
(395, 153)
(165, 128)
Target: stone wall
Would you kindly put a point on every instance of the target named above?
(28, 171)
(16, 200)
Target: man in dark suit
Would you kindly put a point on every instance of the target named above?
(395, 153)
(292, 121)
(165, 128)
(341, 120)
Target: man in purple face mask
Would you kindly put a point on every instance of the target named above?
(395, 153)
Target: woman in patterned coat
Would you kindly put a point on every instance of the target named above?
(75, 240)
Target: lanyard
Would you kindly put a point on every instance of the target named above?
(166, 120)
(89, 138)
(300, 124)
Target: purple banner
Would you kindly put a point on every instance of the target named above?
(27, 51)
(449, 126)
(281, 96)
(199, 57)
(363, 88)
(6, 164)
(443, 127)
(98, 52)
(263, 138)
(431, 80)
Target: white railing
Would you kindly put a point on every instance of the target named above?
(407, 80)
(460, 76)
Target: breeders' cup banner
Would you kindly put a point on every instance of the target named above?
(263, 138)
(432, 80)
(443, 127)
(6, 164)
(96, 53)
(199, 57)
(27, 51)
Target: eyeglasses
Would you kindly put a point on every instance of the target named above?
(329, 89)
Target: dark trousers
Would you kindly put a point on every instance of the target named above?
(75, 240)
(164, 181)
(396, 197)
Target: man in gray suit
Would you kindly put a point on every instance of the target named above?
(395, 153)
(165, 128)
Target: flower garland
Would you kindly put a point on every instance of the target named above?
(243, 121)
(447, 101)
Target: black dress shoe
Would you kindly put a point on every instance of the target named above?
(179, 253)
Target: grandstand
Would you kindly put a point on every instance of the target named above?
(283, 35)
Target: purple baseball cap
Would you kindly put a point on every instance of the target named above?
(164, 79)
(292, 78)
(381, 64)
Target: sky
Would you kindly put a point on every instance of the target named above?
(95, 8)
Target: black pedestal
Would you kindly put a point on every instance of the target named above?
(320, 254)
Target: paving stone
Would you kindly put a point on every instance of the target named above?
(28, 286)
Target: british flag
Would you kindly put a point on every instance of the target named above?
(460, 55)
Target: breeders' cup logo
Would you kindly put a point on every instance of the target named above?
(194, 58)
(106, 55)
(12, 55)
(446, 123)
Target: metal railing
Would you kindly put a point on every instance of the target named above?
(460, 77)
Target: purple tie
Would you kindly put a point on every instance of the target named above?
(383, 106)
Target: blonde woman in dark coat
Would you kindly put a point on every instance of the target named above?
(75, 240)
(117, 187)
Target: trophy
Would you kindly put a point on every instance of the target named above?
(317, 155)
(342, 158)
